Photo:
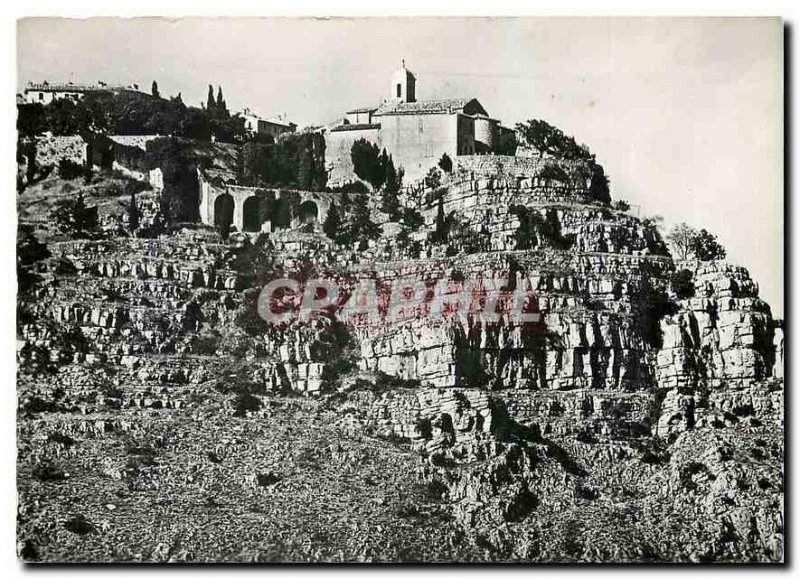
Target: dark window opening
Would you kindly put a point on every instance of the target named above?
(399, 90)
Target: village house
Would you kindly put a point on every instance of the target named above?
(45, 92)
(272, 126)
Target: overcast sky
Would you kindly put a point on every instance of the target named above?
(686, 115)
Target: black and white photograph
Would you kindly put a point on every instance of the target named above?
(384, 290)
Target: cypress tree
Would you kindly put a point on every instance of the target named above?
(222, 108)
(333, 224)
(133, 214)
(211, 104)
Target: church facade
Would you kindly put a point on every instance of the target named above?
(415, 133)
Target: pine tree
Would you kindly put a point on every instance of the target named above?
(154, 90)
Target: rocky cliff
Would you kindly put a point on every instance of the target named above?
(631, 424)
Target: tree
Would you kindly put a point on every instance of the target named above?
(359, 226)
(446, 163)
(32, 168)
(76, 219)
(367, 165)
(31, 119)
(622, 205)
(394, 182)
(547, 139)
(211, 104)
(154, 90)
(222, 108)
(29, 251)
(133, 214)
(598, 186)
(681, 238)
(706, 247)
(506, 143)
(443, 224)
(390, 205)
(333, 223)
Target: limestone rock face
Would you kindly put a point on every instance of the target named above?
(593, 434)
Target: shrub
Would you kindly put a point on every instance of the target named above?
(682, 283)
(352, 187)
(535, 229)
(29, 252)
(433, 180)
(244, 403)
(555, 173)
(446, 163)
(412, 219)
(622, 205)
(49, 472)
(649, 304)
(69, 170)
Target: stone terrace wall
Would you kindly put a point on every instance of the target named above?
(51, 149)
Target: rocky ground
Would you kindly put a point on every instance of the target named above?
(158, 421)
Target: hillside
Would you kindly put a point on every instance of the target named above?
(161, 420)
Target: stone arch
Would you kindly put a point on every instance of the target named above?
(251, 214)
(223, 211)
(308, 212)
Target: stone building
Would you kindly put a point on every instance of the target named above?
(274, 127)
(45, 92)
(416, 133)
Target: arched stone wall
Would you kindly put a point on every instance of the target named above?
(248, 206)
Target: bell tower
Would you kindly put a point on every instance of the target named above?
(403, 85)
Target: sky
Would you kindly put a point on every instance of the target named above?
(686, 115)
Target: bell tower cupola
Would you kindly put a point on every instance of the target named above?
(403, 85)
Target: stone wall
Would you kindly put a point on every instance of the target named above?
(51, 149)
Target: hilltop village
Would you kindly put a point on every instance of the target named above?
(162, 419)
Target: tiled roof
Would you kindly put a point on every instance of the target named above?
(445, 106)
(356, 127)
(67, 87)
(362, 110)
(278, 122)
